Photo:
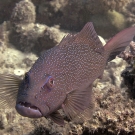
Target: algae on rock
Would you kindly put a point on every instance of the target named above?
(109, 23)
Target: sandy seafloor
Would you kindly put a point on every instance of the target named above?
(28, 29)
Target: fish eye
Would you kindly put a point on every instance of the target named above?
(49, 83)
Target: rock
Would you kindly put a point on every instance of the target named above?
(23, 13)
(72, 15)
(112, 74)
(109, 23)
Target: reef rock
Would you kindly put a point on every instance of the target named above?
(26, 35)
(72, 15)
(109, 23)
(129, 12)
(23, 13)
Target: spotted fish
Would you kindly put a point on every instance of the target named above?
(62, 77)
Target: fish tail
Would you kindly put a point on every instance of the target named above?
(119, 42)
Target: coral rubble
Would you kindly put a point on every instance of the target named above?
(115, 111)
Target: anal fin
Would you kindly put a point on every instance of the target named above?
(57, 118)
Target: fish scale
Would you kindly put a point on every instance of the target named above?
(62, 77)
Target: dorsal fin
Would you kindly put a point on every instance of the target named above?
(87, 35)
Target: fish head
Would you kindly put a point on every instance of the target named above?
(39, 96)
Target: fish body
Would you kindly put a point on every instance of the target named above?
(62, 77)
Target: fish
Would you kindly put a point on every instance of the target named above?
(62, 77)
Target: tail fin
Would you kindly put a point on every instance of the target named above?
(119, 42)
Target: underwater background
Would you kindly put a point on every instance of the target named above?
(29, 27)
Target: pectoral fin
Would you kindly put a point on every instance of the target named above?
(9, 85)
(57, 118)
(79, 105)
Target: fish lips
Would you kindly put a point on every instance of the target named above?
(28, 110)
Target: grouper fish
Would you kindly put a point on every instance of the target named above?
(62, 77)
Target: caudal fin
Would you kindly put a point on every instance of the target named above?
(119, 42)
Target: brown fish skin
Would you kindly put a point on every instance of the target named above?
(72, 65)
(62, 77)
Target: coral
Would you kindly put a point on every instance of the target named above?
(106, 116)
(26, 35)
(117, 20)
(129, 12)
(115, 4)
(23, 13)
(129, 72)
(51, 37)
(84, 10)
(112, 74)
(35, 37)
(13, 60)
(3, 37)
(57, 12)
(129, 79)
(74, 14)
(114, 113)
(13, 124)
(29, 36)
(109, 23)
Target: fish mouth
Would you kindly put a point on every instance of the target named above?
(28, 110)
